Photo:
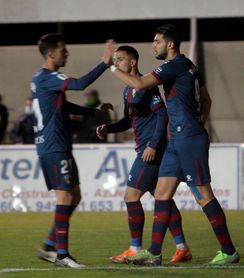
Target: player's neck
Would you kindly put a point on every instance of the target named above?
(134, 71)
(172, 54)
(50, 66)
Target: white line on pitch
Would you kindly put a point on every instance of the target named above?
(8, 270)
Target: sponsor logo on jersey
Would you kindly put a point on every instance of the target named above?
(62, 76)
(39, 140)
(158, 70)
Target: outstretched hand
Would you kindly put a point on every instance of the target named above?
(108, 52)
(106, 106)
(101, 132)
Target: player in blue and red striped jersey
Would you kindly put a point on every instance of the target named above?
(145, 112)
(53, 139)
(187, 151)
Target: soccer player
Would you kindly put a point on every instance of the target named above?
(53, 139)
(188, 148)
(145, 112)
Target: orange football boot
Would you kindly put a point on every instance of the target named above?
(181, 255)
(120, 259)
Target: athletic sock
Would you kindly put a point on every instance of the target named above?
(162, 213)
(62, 215)
(216, 217)
(175, 227)
(136, 221)
(50, 242)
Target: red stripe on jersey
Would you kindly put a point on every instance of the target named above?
(157, 106)
(65, 84)
(157, 77)
(170, 92)
(59, 100)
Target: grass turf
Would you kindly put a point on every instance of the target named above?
(95, 236)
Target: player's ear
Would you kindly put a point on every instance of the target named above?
(171, 45)
(51, 54)
(132, 62)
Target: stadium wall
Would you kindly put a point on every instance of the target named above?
(76, 10)
(103, 172)
(224, 64)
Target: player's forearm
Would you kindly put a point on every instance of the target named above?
(130, 80)
(160, 129)
(120, 126)
(87, 79)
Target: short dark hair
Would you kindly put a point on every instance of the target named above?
(129, 50)
(49, 42)
(169, 31)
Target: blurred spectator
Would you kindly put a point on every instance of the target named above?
(84, 127)
(22, 132)
(3, 119)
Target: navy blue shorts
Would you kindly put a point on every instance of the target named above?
(59, 170)
(144, 175)
(187, 159)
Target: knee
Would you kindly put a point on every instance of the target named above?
(132, 196)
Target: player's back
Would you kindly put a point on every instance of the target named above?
(51, 118)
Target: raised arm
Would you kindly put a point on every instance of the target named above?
(85, 80)
(136, 82)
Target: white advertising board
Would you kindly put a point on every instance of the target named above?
(103, 171)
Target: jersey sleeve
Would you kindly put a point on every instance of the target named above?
(165, 73)
(60, 82)
(56, 82)
(156, 100)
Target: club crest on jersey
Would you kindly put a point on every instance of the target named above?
(188, 178)
(67, 179)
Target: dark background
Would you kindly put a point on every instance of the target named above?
(217, 29)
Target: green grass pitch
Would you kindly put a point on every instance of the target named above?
(95, 236)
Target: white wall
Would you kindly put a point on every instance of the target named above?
(15, 11)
